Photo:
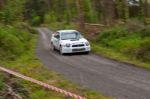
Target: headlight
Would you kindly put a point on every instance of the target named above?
(87, 43)
(68, 45)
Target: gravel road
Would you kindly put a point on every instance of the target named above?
(109, 77)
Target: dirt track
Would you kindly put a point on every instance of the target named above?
(106, 76)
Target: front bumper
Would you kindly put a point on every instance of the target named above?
(76, 49)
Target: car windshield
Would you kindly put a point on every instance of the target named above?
(71, 35)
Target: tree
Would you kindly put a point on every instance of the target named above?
(35, 11)
(97, 7)
(80, 14)
(1, 4)
(11, 11)
(146, 8)
(122, 9)
(89, 13)
(142, 12)
(126, 10)
(68, 13)
(108, 11)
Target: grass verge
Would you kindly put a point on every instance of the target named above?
(115, 55)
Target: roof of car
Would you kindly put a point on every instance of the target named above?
(66, 31)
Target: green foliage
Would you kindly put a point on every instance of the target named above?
(38, 95)
(118, 56)
(145, 32)
(89, 13)
(12, 11)
(50, 17)
(131, 43)
(36, 20)
(39, 11)
(122, 9)
(111, 34)
(35, 11)
(13, 42)
(144, 49)
(147, 21)
(1, 82)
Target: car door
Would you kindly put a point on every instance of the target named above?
(56, 40)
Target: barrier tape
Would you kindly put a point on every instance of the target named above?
(67, 93)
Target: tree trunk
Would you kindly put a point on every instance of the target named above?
(80, 14)
(126, 10)
(68, 11)
(108, 11)
(142, 12)
(1, 4)
(146, 9)
(48, 2)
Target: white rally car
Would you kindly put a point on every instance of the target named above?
(69, 41)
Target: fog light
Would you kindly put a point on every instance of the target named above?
(68, 45)
(87, 43)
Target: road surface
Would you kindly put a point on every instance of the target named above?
(109, 77)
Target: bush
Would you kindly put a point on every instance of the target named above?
(147, 21)
(145, 32)
(111, 34)
(13, 42)
(144, 50)
(133, 43)
(50, 17)
(128, 45)
(36, 20)
(1, 82)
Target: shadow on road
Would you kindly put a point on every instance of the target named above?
(72, 54)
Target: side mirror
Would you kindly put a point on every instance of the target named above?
(57, 36)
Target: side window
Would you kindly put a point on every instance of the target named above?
(57, 35)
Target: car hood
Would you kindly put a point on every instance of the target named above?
(80, 41)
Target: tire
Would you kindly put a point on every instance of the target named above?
(53, 47)
(87, 52)
(60, 51)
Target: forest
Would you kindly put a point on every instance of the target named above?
(91, 11)
(117, 29)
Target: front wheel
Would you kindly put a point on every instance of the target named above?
(87, 52)
(60, 51)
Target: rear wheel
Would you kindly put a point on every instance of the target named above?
(53, 47)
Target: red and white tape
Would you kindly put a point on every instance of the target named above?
(42, 84)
